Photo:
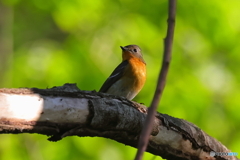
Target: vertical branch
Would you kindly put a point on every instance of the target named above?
(147, 128)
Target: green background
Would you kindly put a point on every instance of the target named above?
(49, 43)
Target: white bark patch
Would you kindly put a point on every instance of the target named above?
(27, 107)
(39, 108)
(167, 137)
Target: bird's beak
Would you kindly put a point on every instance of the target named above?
(123, 48)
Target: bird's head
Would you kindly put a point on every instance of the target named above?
(130, 51)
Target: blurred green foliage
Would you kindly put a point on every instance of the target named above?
(49, 43)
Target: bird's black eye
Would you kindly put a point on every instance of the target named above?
(135, 50)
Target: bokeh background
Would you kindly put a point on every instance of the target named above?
(49, 43)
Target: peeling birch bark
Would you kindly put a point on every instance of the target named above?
(65, 111)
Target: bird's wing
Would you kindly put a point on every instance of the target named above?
(114, 77)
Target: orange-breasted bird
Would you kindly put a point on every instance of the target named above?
(129, 77)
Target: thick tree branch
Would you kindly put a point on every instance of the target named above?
(66, 111)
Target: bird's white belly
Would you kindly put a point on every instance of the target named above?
(121, 89)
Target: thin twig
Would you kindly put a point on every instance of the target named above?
(147, 128)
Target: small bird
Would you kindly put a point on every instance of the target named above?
(129, 77)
